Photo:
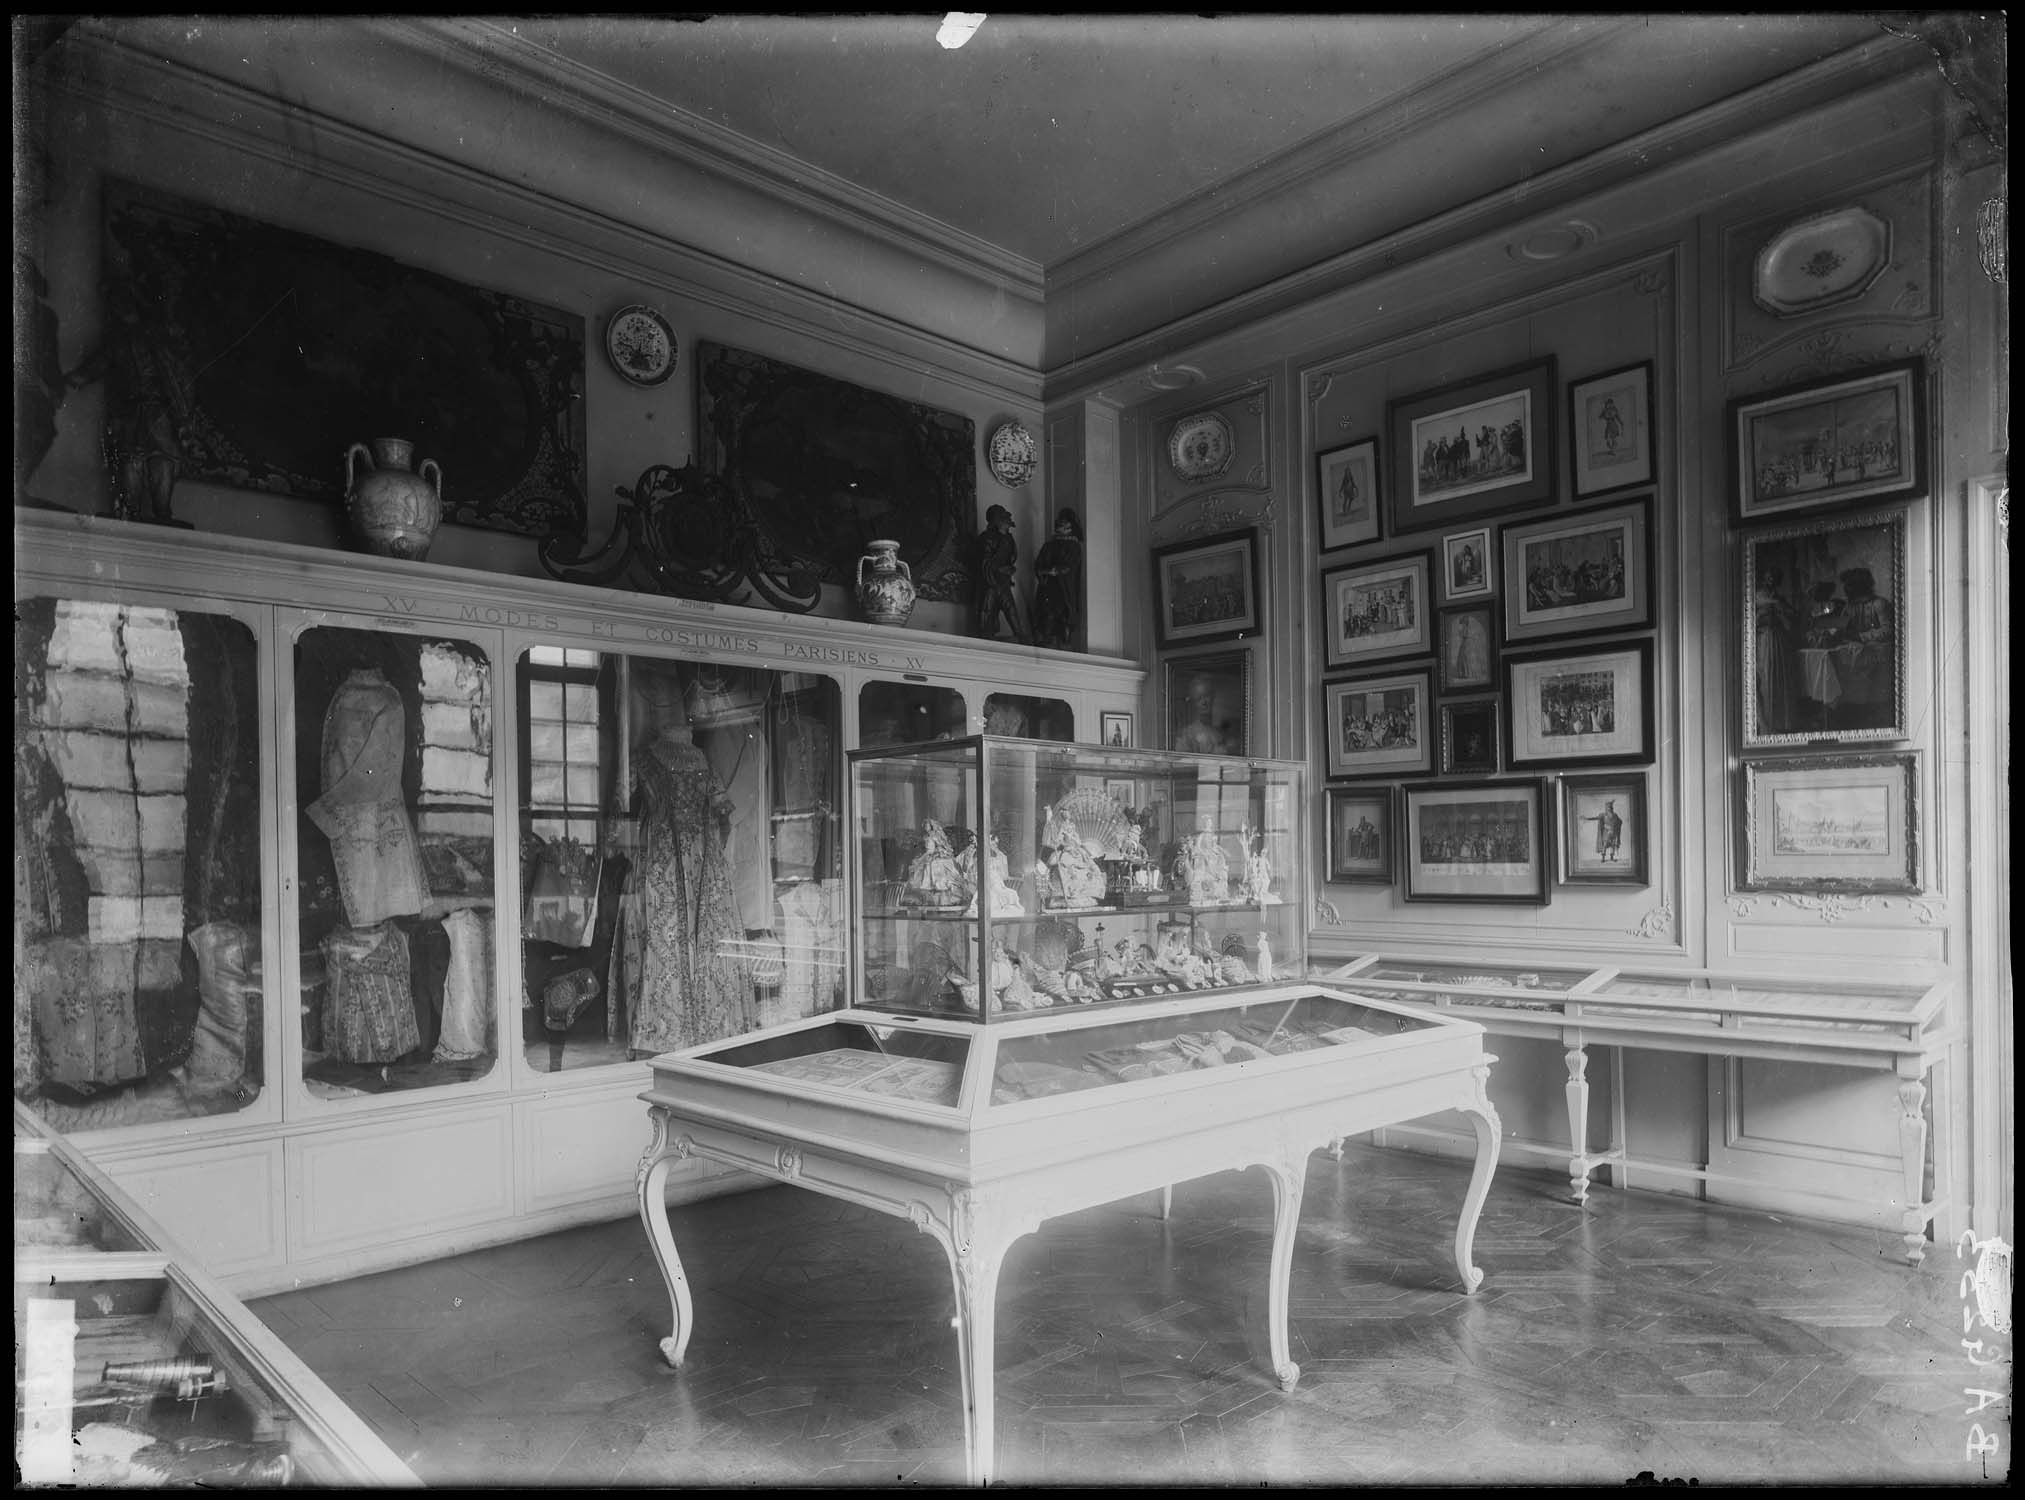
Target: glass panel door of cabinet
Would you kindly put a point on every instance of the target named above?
(394, 849)
(679, 853)
(1029, 717)
(908, 713)
(137, 818)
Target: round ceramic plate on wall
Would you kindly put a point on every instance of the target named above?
(1201, 446)
(640, 345)
(1820, 261)
(1010, 452)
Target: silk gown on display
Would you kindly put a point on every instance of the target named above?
(692, 979)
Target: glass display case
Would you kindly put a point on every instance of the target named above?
(131, 1368)
(1002, 875)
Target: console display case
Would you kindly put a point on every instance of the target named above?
(1900, 1027)
(1076, 976)
(998, 875)
(133, 1368)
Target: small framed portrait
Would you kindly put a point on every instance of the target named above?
(1209, 702)
(1469, 569)
(1378, 725)
(1475, 841)
(1610, 432)
(1114, 729)
(1469, 737)
(1587, 572)
(1207, 590)
(1372, 611)
(1824, 653)
(1346, 485)
(1468, 662)
(1360, 835)
(1859, 437)
(1472, 449)
(1604, 835)
(1845, 823)
(1580, 708)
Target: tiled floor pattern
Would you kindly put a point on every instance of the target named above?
(1640, 1333)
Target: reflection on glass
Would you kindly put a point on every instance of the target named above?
(395, 844)
(137, 837)
(908, 713)
(1032, 718)
(679, 853)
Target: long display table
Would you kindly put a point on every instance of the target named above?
(977, 1134)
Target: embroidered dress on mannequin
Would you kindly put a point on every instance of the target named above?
(467, 988)
(372, 842)
(693, 985)
(372, 995)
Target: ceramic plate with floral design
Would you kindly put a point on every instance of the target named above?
(640, 345)
(1201, 446)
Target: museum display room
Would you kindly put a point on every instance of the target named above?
(580, 654)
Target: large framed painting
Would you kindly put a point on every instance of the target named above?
(1376, 610)
(1360, 835)
(1475, 841)
(824, 467)
(251, 357)
(1207, 589)
(1472, 449)
(1843, 823)
(1209, 702)
(1824, 653)
(1580, 708)
(1853, 438)
(1610, 432)
(1587, 572)
(1381, 724)
(1346, 486)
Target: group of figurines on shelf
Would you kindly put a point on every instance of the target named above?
(1057, 616)
(1089, 858)
(1060, 968)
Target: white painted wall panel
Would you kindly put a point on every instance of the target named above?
(373, 1184)
(223, 1205)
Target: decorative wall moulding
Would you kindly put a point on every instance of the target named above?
(1011, 454)
(1554, 242)
(1821, 261)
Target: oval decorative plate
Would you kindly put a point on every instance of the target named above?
(1820, 261)
(640, 345)
(1011, 454)
(1201, 446)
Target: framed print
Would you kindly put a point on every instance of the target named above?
(1610, 432)
(1587, 572)
(1360, 835)
(1604, 834)
(1469, 737)
(1207, 590)
(1346, 485)
(1823, 645)
(1376, 610)
(1114, 728)
(1830, 823)
(1469, 649)
(1209, 700)
(1474, 841)
(1380, 725)
(1830, 442)
(1472, 449)
(1469, 569)
(1580, 708)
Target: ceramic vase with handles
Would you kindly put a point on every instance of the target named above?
(885, 584)
(394, 507)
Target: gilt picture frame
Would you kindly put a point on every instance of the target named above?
(1854, 438)
(1845, 823)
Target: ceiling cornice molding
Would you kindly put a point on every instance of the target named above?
(1474, 84)
(165, 94)
(1856, 70)
(494, 52)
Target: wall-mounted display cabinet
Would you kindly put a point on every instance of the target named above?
(352, 893)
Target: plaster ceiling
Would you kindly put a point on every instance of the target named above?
(1046, 136)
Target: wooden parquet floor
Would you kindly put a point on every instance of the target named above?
(1641, 1334)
